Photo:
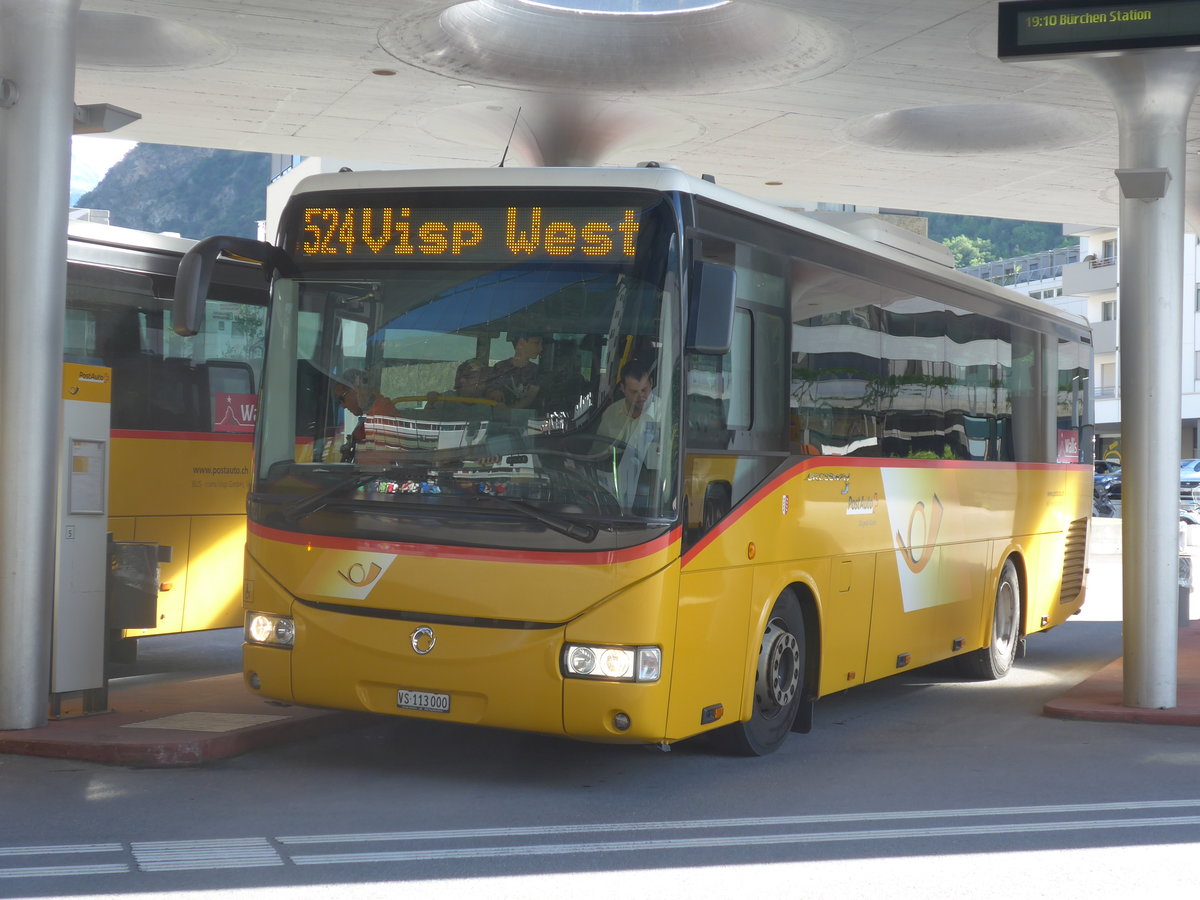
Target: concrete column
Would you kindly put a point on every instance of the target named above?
(37, 65)
(1152, 92)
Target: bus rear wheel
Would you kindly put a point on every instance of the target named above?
(778, 685)
(994, 661)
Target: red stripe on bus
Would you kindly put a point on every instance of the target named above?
(480, 554)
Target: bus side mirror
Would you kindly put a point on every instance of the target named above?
(195, 274)
(710, 319)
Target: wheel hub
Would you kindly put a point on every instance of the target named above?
(778, 667)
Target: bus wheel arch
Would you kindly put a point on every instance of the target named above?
(782, 683)
(1005, 642)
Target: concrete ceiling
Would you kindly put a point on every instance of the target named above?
(892, 103)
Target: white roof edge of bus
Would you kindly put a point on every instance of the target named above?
(114, 234)
(666, 178)
(880, 231)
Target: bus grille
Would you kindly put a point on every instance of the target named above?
(1074, 561)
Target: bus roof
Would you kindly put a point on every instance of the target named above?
(115, 236)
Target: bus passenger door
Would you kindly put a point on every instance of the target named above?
(736, 407)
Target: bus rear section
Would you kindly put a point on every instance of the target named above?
(183, 413)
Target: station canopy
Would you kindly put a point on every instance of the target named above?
(877, 103)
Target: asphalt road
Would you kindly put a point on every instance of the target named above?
(919, 785)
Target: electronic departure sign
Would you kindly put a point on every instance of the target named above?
(1043, 28)
(360, 231)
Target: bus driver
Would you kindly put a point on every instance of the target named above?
(634, 421)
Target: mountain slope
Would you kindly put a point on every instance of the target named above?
(193, 191)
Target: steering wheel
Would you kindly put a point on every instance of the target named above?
(596, 445)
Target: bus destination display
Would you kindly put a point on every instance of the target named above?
(484, 234)
(1035, 28)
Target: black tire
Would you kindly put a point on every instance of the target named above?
(779, 687)
(994, 661)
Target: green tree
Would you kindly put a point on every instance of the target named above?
(970, 251)
(1008, 237)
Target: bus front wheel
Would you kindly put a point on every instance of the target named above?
(778, 685)
(995, 660)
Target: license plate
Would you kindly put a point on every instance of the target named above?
(423, 701)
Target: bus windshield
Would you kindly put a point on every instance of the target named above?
(468, 400)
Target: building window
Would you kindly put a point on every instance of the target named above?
(1108, 310)
(1108, 251)
(1108, 380)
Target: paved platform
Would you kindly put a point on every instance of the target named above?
(1101, 697)
(175, 723)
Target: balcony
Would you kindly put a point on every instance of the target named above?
(1093, 276)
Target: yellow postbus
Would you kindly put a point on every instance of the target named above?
(620, 455)
(183, 413)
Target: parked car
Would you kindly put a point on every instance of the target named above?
(1189, 482)
(1107, 489)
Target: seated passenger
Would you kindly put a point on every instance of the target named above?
(470, 380)
(378, 419)
(358, 391)
(513, 381)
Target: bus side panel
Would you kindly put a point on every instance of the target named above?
(710, 647)
(189, 495)
(844, 612)
(214, 573)
(911, 628)
(201, 587)
(122, 528)
(1056, 550)
(1054, 588)
(155, 473)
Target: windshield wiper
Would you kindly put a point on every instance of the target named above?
(581, 533)
(308, 505)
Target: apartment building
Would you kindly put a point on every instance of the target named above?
(1086, 280)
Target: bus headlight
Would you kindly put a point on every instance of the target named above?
(612, 663)
(273, 631)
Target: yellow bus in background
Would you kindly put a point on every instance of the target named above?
(183, 412)
(619, 455)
